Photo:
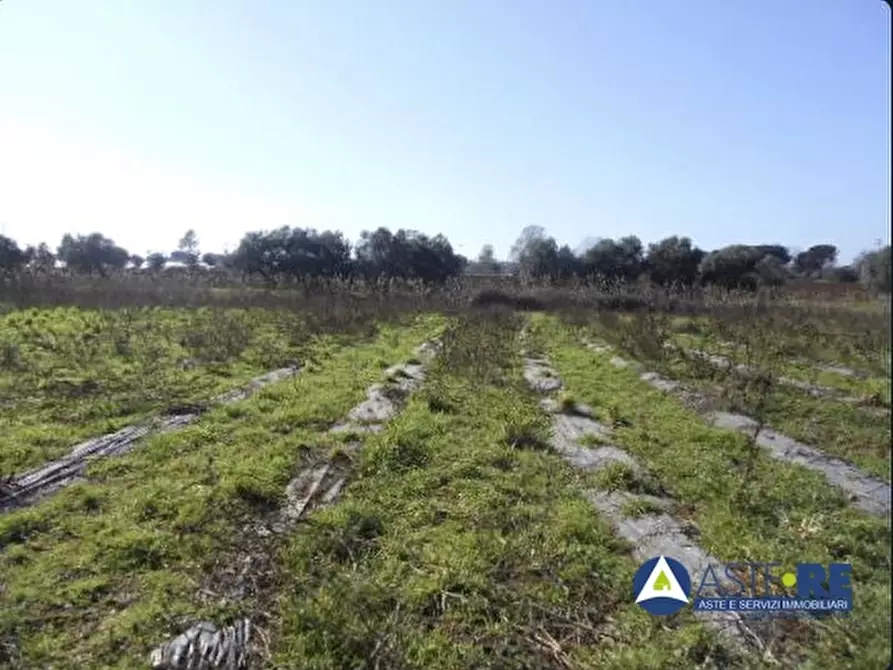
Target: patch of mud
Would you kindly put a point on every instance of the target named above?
(34, 485)
(653, 533)
(203, 646)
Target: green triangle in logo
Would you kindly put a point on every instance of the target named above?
(662, 583)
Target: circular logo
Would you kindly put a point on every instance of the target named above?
(661, 586)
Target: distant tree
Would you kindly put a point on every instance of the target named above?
(620, 260)
(136, 261)
(732, 267)
(568, 265)
(487, 254)
(317, 254)
(293, 253)
(539, 259)
(874, 269)
(260, 254)
(487, 260)
(530, 236)
(156, 261)
(673, 261)
(188, 249)
(40, 258)
(535, 255)
(770, 270)
(212, 259)
(377, 254)
(845, 274)
(584, 246)
(430, 259)
(811, 262)
(599, 258)
(91, 254)
(778, 251)
(12, 258)
(406, 254)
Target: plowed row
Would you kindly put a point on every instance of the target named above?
(485, 505)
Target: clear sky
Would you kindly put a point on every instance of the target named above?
(754, 121)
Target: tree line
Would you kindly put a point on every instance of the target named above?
(273, 255)
(676, 261)
(299, 253)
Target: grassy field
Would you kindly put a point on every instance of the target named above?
(463, 540)
(67, 374)
(96, 575)
(776, 346)
(744, 505)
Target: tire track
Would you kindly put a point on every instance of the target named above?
(242, 644)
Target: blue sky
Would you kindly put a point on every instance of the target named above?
(754, 121)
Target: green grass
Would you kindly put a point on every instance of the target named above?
(853, 433)
(68, 374)
(617, 477)
(100, 573)
(746, 505)
(856, 433)
(458, 546)
(835, 337)
(639, 507)
(593, 440)
(800, 370)
(854, 386)
(837, 429)
(463, 541)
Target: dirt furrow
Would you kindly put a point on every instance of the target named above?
(653, 533)
(814, 390)
(834, 368)
(243, 643)
(865, 492)
(841, 370)
(29, 487)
